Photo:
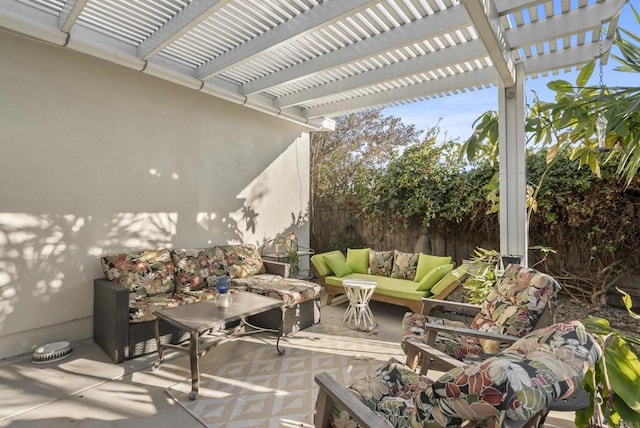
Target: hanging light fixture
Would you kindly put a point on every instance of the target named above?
(601, 121)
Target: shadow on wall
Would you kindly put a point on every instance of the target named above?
(48, 261)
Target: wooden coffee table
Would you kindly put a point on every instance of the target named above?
(205, 322)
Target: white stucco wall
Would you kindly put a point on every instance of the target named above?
(96, 158)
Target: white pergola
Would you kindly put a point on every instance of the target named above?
(308, 61)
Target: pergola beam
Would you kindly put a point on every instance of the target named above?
(509, 6)
(571, 23)
(565, 58)
(438, 59)
(318, 17)
(70, 13)
(413, 32)
(462, 81)
(536, 32)
(486, 20)
(539, 64)
(191, 16)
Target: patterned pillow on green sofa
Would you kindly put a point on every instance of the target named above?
(380, 262)
(404, 265)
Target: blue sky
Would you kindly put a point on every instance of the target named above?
(458, 112)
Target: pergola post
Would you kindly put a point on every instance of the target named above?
(514, 233)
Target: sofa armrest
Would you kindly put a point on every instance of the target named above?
(277, 268)
(111, 318)
(331, 392)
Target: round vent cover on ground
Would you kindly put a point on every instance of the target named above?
(51, 352)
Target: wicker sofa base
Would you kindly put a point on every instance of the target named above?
(296, 318)
(122, 340)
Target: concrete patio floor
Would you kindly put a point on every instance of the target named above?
(88, 390)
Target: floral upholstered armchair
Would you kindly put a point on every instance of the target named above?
(512, 388)
(522, 300)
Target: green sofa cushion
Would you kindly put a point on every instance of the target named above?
(394, 287)
(434, 276)
(358, 259)
(319, 263)
(451, 277)
(338, 264)
(427, 262)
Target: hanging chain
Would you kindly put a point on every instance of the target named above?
(601, 121)
(601, 66)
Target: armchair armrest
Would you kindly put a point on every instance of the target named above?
(428, 305)
(461, 331)
(332, 392)
(430, 357)
(277, 268)
(447, 362)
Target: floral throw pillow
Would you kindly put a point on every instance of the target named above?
(145, 273)
(380, 262)
(404, 265)
(243, 260)
(193, 269)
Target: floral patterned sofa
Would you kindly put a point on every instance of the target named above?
(138, 283)
(517, 384)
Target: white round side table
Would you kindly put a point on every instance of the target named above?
(359, 293)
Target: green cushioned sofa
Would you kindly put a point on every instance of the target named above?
(402, 278)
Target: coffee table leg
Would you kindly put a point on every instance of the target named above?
(195, 368)
(158, 363)
(281, 333)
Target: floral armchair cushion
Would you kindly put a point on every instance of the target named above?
(144, 273)
(513, 307)
(515, 304)
(517, 384)
(521, 381)
(397, 394)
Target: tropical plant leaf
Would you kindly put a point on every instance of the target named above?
(628, 304)
(560, 86)
(624, 373)
(585, 73)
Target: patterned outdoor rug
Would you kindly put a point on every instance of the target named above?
(245, 383)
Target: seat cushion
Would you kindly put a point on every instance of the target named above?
(394, 287)
(290, 290)
(141, 310)
(543, 366)
(395, 393)
(515, 304)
